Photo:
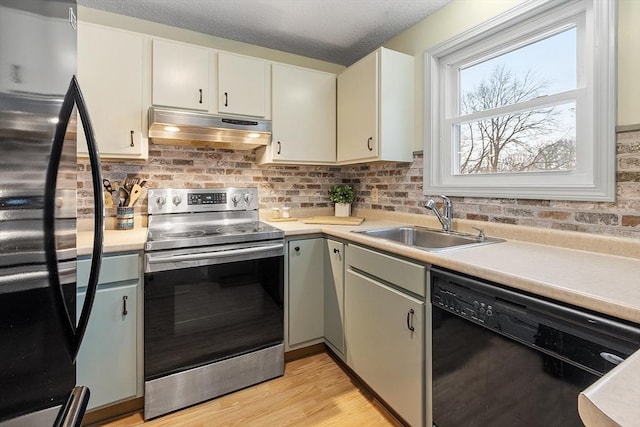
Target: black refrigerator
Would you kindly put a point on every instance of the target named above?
(41, 113)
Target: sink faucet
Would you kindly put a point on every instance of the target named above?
(446, 217)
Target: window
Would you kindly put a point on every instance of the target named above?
(524, 105)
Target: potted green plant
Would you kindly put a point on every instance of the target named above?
(342, 195)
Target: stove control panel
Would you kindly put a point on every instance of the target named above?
(168, 201)
(207, 198)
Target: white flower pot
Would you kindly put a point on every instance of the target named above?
(343, 209)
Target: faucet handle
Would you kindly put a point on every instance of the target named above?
(481, 235)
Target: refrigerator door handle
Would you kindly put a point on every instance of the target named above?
(73, 333)
(72, 412)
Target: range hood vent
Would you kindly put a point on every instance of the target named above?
(178, 127)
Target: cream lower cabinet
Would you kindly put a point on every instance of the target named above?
(305, 290)
(110, 73)
(334, 295)
(385, 330)
(315, 290)
(303, 111)
(108, 359)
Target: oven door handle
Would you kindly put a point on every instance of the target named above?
(209, 255)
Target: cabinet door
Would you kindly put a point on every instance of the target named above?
(358, 110)
(380, 346)
(241, 85)
(107, 359)
(303, 114)
(110, 75)
(306, 289)
(334, 294)
(180, 75)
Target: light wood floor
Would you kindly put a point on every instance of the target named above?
(314, 391)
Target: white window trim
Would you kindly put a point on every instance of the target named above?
(594, 178)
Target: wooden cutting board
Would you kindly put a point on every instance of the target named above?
(281, 219)
(334, 220)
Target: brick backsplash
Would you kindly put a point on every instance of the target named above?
(399, 187)
(194, 167)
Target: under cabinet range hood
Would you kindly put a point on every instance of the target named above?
(179, 127)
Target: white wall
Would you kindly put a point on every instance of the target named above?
(461, 15)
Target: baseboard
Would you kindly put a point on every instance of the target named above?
(114, 411)
(304, 352)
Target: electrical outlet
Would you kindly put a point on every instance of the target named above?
(374, 194)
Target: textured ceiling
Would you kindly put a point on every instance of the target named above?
(337, 31)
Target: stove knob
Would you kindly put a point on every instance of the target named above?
(177, 200)
(248, 198)
(235, 199)
(161, 201)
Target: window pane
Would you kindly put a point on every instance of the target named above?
(545, 67)
(530, 141)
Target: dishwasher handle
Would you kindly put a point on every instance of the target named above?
(508, 307)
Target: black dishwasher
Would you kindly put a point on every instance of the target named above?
(503, 358)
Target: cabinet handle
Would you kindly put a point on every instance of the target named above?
(124, 306)
(279, 147)
(226, 99)
(410, 320)
(200, 90)
(132, 144)
(369, 141)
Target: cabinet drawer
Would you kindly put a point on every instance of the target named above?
(404, 274)
(116, 268)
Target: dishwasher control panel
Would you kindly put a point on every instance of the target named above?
(461, 301)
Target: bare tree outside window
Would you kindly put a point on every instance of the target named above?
(526, 141)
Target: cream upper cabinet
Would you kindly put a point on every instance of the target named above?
(303, 111)
(181, 75)
(375, 109)
(242, 85)
(110, 73)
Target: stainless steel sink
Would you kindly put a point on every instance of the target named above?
(429, 239)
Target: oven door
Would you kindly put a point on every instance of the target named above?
(211, 304)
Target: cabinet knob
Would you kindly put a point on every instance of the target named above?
(297, 248)
(337, 252)
(124, 306)
(369, 141)
(132, 144)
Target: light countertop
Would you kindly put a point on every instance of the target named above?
(605, 279)
(607, 284)
(114, 241)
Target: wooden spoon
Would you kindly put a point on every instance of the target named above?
(108, 200)
(135, 193)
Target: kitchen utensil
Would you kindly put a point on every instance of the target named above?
(107, 185)
(135, 193)
(123, 193)
(108, 199)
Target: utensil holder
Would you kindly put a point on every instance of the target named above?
(124, 218)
